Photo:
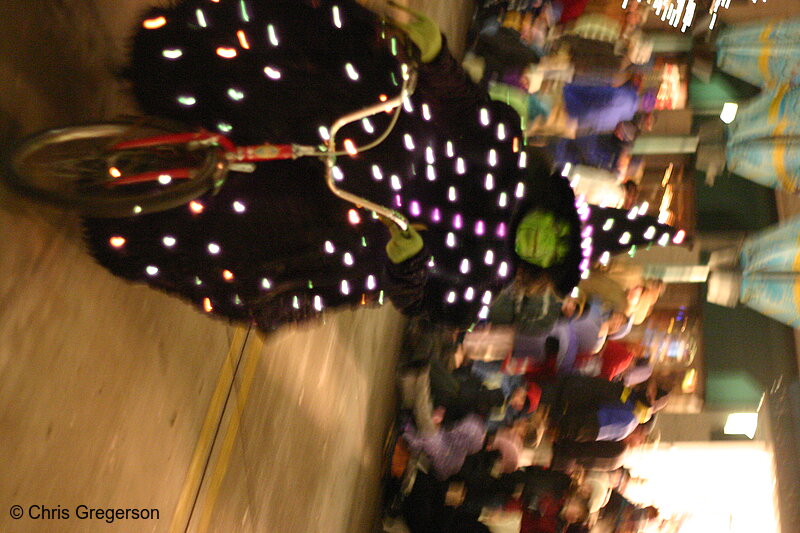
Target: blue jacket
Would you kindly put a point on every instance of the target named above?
(600, 109)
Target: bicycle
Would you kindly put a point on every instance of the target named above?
(144, 165)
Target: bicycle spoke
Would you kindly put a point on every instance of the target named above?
(68, 168)
(76, 167)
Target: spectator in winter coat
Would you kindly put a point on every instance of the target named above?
(600, 109)
(547, 502)
(600, 150)
(593, 409)
(435, 506)
(613, 359)
(448, 447)
(571, 456)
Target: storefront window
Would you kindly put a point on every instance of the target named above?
(673, 88)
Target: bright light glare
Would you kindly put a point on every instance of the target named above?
(226, 52)
(741, 424)
(350, 147)
(272, 73)
(273, 36)
(154, 23)
(243, 42)
(729, 112)
(696, 478)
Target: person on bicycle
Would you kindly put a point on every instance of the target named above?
(276, 246)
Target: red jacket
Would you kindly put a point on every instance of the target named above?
(617, 356)
(545, 520)
(572, 10)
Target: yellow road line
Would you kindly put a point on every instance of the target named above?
(252, 356)
(194, 475)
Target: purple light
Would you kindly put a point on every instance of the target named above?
(501, 230)
(436, 216)
(398, 201)
(415, 209)
(458, 221)
(480, 227)
(587, 231)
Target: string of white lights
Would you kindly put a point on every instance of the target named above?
(682, 12)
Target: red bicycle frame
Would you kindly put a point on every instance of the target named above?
(234, 154)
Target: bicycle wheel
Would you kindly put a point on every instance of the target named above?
(73, 168)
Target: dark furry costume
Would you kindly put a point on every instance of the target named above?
(294, 250)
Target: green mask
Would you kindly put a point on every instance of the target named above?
(541, 239)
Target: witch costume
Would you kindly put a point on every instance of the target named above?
(276, 246)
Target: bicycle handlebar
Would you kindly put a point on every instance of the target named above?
(409, 84)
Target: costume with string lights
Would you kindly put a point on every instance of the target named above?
(276, 246)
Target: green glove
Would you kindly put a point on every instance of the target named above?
(403, 245)
(422, 31)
